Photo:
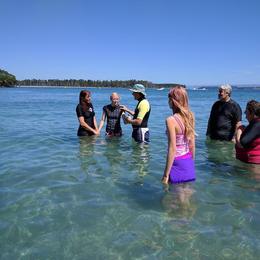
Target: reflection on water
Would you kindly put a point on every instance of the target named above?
(220, 152)
(109, 156)
(140, 160)
(101, 198)
(251, 171)
(113, 154)
(222, 155)
(87, 152)
(87, 145)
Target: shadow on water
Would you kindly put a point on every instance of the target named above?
(176, 201)
(149, 194)
(135, 181)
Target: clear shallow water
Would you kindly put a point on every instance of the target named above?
(62, 197)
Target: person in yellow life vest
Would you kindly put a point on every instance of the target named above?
(141, 115)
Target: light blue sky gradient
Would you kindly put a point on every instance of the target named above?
(200, 42)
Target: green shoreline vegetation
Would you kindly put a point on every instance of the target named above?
(9, 80)
(90, 83)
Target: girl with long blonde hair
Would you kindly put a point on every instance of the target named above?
(179, 167)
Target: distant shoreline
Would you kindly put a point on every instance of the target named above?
(153, 87)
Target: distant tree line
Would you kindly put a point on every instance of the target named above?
(83, 83)
(7, 79)
(91, 83)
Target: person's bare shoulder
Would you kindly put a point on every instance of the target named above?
(169, 120)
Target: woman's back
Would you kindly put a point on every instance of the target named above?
(182, 143)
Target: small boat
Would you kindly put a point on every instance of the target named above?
(160, 88)
(201, 88)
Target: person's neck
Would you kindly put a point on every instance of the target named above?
(226, 99)
(140, 99)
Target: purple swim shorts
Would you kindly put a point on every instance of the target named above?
(183, 169)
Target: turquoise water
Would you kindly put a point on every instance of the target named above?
(95, 198)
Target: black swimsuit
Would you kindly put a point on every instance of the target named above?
(88, 118)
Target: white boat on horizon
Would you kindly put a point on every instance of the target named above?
(199, 88)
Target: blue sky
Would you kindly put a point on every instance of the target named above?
(200, 42)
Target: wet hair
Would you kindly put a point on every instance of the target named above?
(179, 97)
(253, 107)
(82, 101)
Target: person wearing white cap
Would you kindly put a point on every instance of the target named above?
(141, 115)
(225, 116)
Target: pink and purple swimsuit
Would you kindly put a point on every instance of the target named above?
(183, 169)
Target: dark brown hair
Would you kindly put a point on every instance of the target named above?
(250, 106)
(82, 100)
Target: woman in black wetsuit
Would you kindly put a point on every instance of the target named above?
(112, 113)
(86, 115)
(248, 138)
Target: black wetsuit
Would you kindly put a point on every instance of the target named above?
(113, 115)
(223, 119)
(251, 132)
(88, 118)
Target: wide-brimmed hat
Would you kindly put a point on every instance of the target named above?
(138, 88)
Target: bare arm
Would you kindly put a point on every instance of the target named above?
(87, 127)
(96, 127)
(236, 134)
(136, 121)
(192, 147)
(171, 148)
(103, 118)
(125, 109)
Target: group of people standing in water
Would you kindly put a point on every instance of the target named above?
(224, 124)
(112, 113)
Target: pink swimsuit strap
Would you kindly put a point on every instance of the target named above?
(180, 124)
(181, 140)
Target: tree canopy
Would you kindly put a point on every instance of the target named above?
(91, 83)
(7, 79)
(83, 83)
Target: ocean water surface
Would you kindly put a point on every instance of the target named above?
(64, 197)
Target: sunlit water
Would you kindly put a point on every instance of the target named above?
(62, 197)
